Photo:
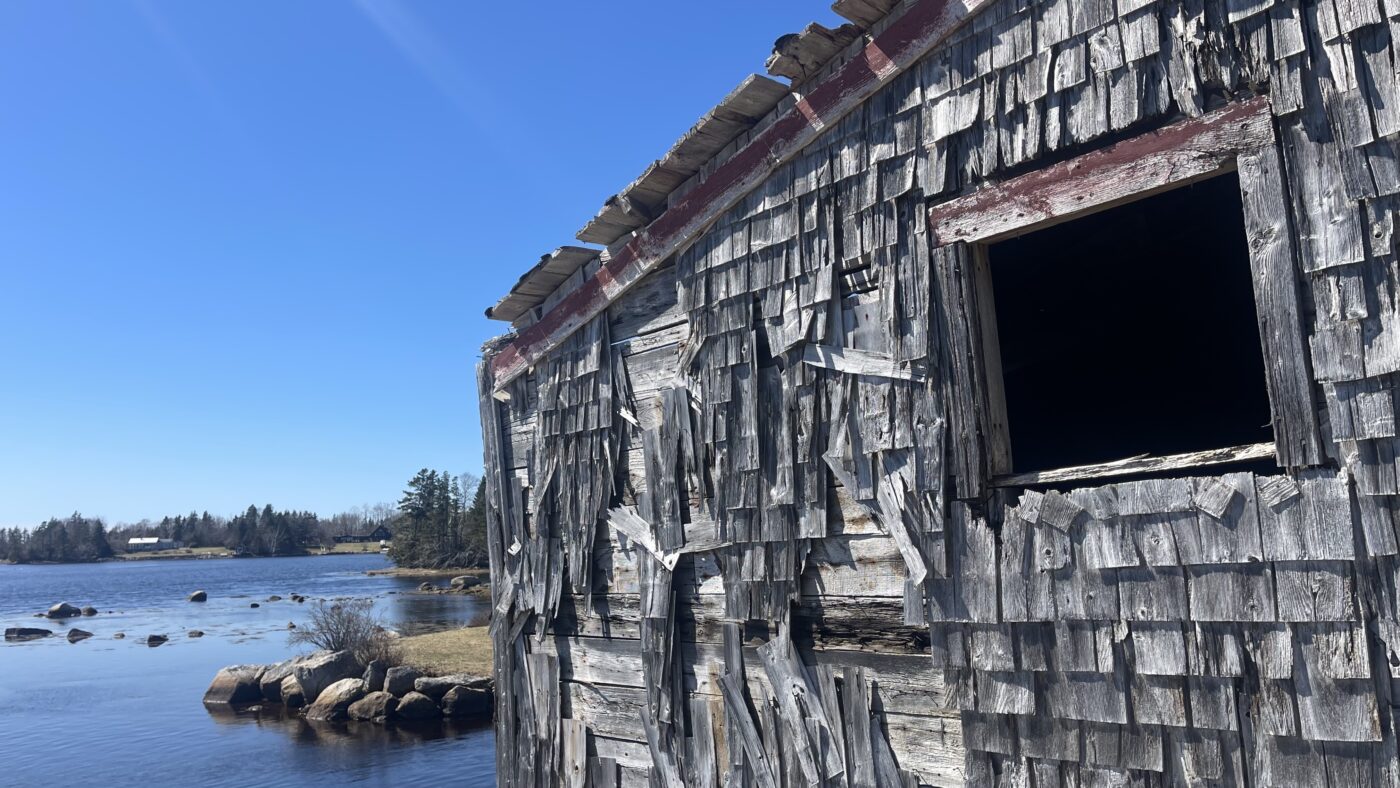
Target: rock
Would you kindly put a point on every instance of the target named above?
(417, 706)
(274, 598)
(199, 596)
(196, 633)
(290, 625)
(235, 684)
(322, 670)
(425, 586)
(74, 635)
(63, 610)
(374, 676)
(374, 707)
(467, 703)
(119, 636)
(275, 676)
(400, 681)
(26, 633)
(89, 611)
(466, 581)
(436, 687)
(333, 702)
(155, 640)
(255, 604)
(291, 692)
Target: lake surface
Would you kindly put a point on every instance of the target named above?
(116, 712)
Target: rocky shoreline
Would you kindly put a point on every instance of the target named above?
(334, 687)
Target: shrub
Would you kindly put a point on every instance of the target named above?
(350, 626)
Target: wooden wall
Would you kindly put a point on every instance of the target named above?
(744, 526)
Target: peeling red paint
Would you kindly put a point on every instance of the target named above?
(901, 44)
(1027, 192)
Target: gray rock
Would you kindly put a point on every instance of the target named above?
(155, 640)
(322, 670)
(425, 586)
(292, 695)
(119, 636)
(466, 581)
(333, 702)
(374, 707)
(235, 684)
(89, 611)
(400, 681)
(436, 687)
(467, 703)
(374, 676)
(417, 706)
(274, 598)
(273, 678)
(196, 633)
(255, 604)
(26, 633)
(199, 596)
(75, 634)
(63, 610)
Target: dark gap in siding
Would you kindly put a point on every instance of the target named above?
(1131, 331)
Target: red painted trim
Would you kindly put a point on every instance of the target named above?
(1136, 166)
(907, 39)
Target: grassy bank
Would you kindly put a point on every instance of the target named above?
(465, 650)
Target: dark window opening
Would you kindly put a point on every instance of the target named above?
(1131, 331)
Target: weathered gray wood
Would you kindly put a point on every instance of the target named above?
(1272, 259)
(1141, 464)
(1174, 156)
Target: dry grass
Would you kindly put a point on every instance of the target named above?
(356, 547)
(465, 650)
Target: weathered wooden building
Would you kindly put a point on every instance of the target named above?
(1008, 400)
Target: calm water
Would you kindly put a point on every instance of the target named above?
(117, 712)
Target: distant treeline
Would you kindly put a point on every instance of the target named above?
(434, 525)
(438, 524)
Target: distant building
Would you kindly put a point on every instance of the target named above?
(379, 534)
(146, 544)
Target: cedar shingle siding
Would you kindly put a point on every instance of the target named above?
(754, 523)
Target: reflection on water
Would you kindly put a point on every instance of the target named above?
(124, 707)
(276, 718)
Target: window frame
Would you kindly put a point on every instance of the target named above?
(1237, 138)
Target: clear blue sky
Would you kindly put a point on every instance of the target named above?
(245, 245)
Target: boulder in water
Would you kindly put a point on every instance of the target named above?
(425, 586)
(255, 604)
(75, 634)
(374, 676)
(63, 610)
(199, 596)
(466, 581)
(292, 695)
(235, 684)
(322, 670)
(417, 706)
(155, 640)
(274, 598)
(399, 681)
(374, 707)
(119, 636)
(436, 687)
(89, 611)
(333, 702)
(196, 633)
(26, 633)
(467, 703)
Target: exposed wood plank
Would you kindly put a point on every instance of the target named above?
(1137, 465)
(1167, 158)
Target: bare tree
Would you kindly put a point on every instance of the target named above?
(349, 626)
